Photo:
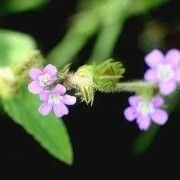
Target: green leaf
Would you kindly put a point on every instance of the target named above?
(13, 6)
(14, 46)
(49, 131)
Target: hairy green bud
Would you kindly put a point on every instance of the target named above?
(82, 81)
(89, 78)
(107, 75)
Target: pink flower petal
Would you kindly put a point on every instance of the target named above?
(154, 58)
(157, 101)
(69, 100)
(35, 73)
(45, 109)
(159, 116)
(44, 95)
(173, 57)
(177, 74)
(53, 79)
(50, 69)
(130, 114)
(150, 75)
(134, 100)
(143, 122)
(34, 87)
(60, 89)
(60, 110)
(167, 88)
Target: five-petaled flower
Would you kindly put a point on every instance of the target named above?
(55, 100)
(42, 79)
(164, 70)
(145, 111)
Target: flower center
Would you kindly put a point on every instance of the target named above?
(54, 99)
(164, 72)
(145, 108)
(44, 80)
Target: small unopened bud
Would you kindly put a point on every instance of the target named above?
(89, 78)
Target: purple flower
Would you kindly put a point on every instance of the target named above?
(145, 111)
(41, 79)
(164, 70)
(55, 100)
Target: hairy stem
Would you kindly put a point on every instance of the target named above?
(135, 86)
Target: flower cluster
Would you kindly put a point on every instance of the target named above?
(164, 72)
(46, 85)
(161, 79)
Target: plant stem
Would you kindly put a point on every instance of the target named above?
(78, 35)
(135, 86)
(112, 24)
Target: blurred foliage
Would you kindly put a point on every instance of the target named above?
(105, 17)
(153, 36)
(144, 140)
(13, 6)
(14, 47)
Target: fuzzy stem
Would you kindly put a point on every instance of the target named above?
(135, 86)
